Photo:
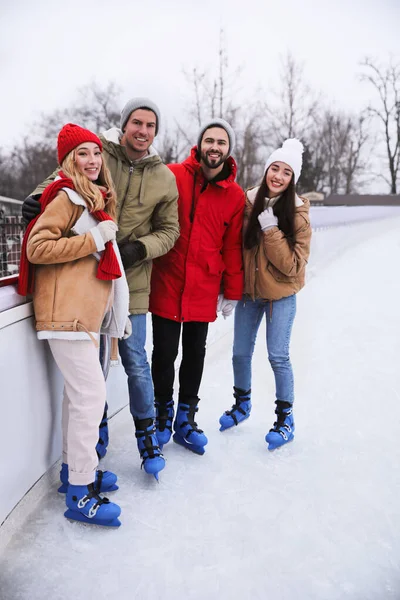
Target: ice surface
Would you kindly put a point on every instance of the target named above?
(318, 519)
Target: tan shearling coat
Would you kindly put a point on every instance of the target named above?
(66, 290)
(272, 269)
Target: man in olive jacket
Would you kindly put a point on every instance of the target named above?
(148, 227)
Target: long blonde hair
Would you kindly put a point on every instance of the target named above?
(90, 191)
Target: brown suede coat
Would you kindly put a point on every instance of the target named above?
(66, 288)
(272, 269)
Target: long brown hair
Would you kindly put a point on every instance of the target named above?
(90, 191)
(284, 209)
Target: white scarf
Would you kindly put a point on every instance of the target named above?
(115, 319)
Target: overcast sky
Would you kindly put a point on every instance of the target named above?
(48, 49)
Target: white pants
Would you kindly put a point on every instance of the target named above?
(83, 406)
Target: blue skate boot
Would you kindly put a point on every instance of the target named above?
(239, 411)
(102, 444)
(164, 418)
(106, 481)
(283, 429)
(187, 433)
(152, 460)
(85, 505)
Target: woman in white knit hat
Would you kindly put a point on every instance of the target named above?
(277, 235)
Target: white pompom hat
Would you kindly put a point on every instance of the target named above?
(291, 154)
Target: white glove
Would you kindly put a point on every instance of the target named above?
(108, 230)
(225, 306)
(128, 329)
(267, 219)
(104, 232)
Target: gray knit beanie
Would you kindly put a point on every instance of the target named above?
(136, 103)
(218, 123)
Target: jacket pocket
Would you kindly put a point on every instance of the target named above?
(215, 265)
(279, 276)
(139, 277)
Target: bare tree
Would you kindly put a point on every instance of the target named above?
(214, 93)
(172, 145)
(249, 152)
(339, 141)
(386, 83)
(34, 158)
(8, 186)
(355, 163)
(292, 112)
(95, 108)
(217, 94)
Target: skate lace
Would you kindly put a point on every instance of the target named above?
(88, 497)
(236, 407)
(150, 449)
(240, 397)
(191, 422)
(280, 426)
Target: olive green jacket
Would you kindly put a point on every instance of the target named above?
(147, 210)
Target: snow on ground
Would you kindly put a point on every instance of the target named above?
(328, 216)
(318, 519)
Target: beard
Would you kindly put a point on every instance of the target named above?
(213, 163)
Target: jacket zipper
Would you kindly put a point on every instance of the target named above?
(192, 208)
(191, 219)
(255, 271)
(127, 188)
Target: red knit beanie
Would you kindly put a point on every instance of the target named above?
(72, 136)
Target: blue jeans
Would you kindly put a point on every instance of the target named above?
(279, 320)
(134, 358)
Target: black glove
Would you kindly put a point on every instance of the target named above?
(31, 208)
(131, 253)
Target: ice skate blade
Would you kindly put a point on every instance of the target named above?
(152, 469)
(64, 488)
(73, 515)
(192, 447)
(272, 446)
(225, 427)
(233, 424)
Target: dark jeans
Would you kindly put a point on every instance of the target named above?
(166, 334)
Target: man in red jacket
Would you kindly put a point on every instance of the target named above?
(187, 282)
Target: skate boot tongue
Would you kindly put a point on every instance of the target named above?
(164, 418)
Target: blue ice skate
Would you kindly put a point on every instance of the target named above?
(86, 506)
(239, 411)
(106, 481)
(283, 429)
(164, 418)
(187, 433)
(152, 460)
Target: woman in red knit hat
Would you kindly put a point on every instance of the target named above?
(71, 264)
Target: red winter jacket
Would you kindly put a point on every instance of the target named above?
(186, 281)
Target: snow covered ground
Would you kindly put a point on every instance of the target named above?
(318, 519)
(328, 216)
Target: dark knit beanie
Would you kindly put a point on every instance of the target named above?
(72, 136)
(136, 103)
(218, 123)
